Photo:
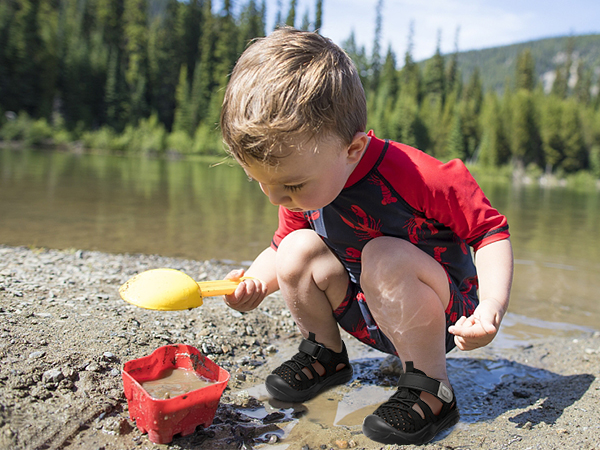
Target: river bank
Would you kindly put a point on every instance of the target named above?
(66, 335)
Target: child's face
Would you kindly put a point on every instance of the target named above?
(310, 175)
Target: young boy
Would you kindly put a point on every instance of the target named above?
(373, 235)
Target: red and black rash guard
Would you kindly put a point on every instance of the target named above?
(399, 191)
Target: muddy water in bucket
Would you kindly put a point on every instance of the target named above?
(174, 382)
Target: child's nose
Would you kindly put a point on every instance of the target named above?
(276, 195)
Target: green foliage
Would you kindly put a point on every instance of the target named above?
(149, 77)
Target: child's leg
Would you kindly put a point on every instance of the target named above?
(313, 283)
(407, 292)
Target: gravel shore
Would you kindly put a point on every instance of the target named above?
(65, 335)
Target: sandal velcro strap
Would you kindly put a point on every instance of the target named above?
(422, 382)
(314, 349)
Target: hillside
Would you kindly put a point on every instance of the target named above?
(499, 63)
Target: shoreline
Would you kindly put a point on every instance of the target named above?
(66, 335)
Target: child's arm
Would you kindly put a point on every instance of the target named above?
(250, 293)
(494, 270)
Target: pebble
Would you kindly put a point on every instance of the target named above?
(92, 367)
(37, 355)
(52, 376)
(341, 443)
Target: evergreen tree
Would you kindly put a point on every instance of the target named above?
(204, 82)
(471, 109)
(252, 24)
(434, 76)
(136, 50)
(183, 114)
(375, 63)
(164, 61)
(456, 146)
(410, 75)
(189, 32)
(358, 56)
(319, 15)
(114, 97)
(291, 17)
(386, 95)
(525, 71)
(560, 87)
(494, 150)
(526, 140)
(572, 135)
(552, 139)
(583, 87)
(226, 47)
(23, 51)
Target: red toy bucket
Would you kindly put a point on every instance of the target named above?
(163, 419)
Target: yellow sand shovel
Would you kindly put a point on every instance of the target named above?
(172, 290)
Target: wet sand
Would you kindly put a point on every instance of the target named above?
(65, 335)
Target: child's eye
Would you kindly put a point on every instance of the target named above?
(294, 188)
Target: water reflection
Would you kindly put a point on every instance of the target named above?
(176, 208)
(196, 210)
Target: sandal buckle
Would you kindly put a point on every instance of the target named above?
(445, 393)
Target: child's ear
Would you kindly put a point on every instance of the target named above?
(357, 147)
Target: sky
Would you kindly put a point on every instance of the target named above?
(480, 23)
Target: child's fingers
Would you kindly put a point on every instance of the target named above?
(235, 274)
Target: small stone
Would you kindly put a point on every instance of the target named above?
(108, 356)
(273, 439)
(240, 376)
(271, 349)
(92, 367)
(114, 372)
(341, 443)
(37, 355)
(116, 425)
(528, 426)
(52, 376)
(521, 394)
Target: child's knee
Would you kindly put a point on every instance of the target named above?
(386, 251)
(296, 250)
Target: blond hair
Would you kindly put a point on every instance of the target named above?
(287, 85)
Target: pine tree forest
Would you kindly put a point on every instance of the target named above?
(147, 76)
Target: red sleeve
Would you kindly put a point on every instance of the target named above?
(449, 194)
(288, 221)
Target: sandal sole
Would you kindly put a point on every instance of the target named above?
(376, 429)
(280, 390)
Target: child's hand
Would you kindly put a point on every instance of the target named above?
(479, 329)
(248, 295)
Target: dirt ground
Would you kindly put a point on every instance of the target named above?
(65, 335)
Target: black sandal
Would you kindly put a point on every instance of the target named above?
(396, 422)
(289, 383)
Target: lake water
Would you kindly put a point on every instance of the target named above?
(199, 210)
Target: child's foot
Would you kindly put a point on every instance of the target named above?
(405, 418)
(311, 370)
